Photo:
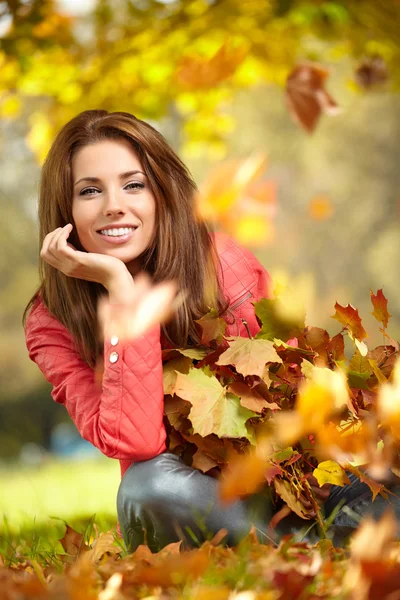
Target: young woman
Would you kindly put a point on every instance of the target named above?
(116, 200)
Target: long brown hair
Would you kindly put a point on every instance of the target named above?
(183, 248)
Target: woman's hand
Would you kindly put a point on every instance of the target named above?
(58, 253)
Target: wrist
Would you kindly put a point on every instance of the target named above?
(121, 288)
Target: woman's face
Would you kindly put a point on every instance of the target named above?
(111, 193)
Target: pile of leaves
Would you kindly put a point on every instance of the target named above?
(98, 568)
(292, 408)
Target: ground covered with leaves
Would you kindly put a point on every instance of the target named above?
(96, 565)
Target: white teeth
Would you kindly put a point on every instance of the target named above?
(117, 232)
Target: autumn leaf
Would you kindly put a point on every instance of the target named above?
(375, 487)
(284, 490)
(214, 410)
(212, 326)
(203, 462)
(250, 398)
(276, 319)
(329, 471)
(104, 544)
(73, 543)
(380, 311)
(349, 317)
(246, 475)
(201, 73)
(249, 356)
(320, 208)
(306, 95)
(171, 369)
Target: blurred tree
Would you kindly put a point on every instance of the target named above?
(150, 56)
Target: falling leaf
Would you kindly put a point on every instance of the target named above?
(373, 538)
(329, 471)
(253, 230)
(214, 410)
(380, 311)
(246, 475)
(320, 208)
(349, 317)
(306, 95)
(371, 71)
(249, 356)
(200, 73)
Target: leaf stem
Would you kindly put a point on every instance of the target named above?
(247, 328)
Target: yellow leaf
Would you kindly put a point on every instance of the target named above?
(330, 472)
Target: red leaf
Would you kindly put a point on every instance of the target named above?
(349, 317)
(380, 312)
(306, 96)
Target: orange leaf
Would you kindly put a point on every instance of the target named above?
(320, 208)
(246, 475)
(380, 311)
(349, 317)
(197, 72)
(306, 96)
(375, 487)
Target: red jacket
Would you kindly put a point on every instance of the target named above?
(124, 416)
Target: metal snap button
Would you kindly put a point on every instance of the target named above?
(113, 357)
(114, 340)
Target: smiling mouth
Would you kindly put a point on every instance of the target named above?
(116, 232)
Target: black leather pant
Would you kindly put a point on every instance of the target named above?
(162, 500)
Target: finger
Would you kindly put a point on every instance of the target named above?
(47, 240)
(61, 241)
(52, 249)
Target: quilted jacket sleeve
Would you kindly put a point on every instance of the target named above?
(123, 414)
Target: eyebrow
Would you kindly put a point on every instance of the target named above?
(97, 179)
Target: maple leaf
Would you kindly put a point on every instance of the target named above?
(276, 319)
(375, 487)
(249, 356)
(171, 369)
(214, 410)
(73, 543)
(329, 471)
(203, 462)
(306, 95)
(349, 317)
(250, 398)
(213, 327)
(380, 312)
(198, 72)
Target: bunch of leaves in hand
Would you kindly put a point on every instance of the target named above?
(287, 408)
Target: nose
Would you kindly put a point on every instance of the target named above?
(113, 204)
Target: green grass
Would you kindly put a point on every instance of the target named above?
(35, 498)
